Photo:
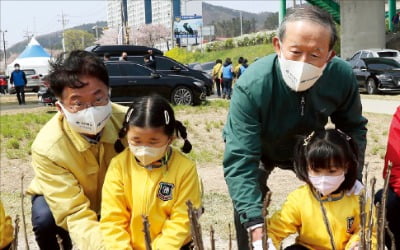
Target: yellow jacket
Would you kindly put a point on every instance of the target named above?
(217, 71)
(6, 228)
(131, 191)
(69, 172)
(236, 69)
(301, 213)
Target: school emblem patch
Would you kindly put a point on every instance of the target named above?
(165, 191)
(350, 222)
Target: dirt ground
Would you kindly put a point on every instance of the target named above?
(281, 182)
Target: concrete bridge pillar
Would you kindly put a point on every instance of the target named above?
(362, 25)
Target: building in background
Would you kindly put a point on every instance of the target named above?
(144, 12)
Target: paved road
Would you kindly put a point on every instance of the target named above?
(379, 106)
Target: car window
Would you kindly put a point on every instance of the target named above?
(359, 64)
(356, 56)
(166, 64)
(384, 65)
(29, 72)
(369, 54)
(134, 70)
(136, 59)
(388, 54)
(364, 54)
(113, 70)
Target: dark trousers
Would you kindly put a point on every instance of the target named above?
(45, 228)
(20, 90)
(227, 87)
(218, 86)
(392, 215)
(264, 171)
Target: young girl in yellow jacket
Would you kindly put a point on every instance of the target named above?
(149, 178)
(327, 161)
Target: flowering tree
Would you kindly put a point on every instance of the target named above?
(150, 35)
(110, 36)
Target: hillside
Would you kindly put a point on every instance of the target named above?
(52, 41)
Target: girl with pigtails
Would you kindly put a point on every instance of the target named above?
(150, 178)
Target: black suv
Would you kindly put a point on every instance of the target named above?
(116, 50)
(129, 80)
(164, 64)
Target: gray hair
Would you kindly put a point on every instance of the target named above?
(313, 14)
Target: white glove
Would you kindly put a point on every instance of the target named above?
(257, 245)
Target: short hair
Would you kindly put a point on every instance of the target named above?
(107, 55)
(313, 14)
(240, 60)
(17, 64)
(68, 67)
(323, 148)
(152, 112)
(228, 60)
(218, 61)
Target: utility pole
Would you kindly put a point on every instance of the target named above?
(172, 22)
(63, 23)
(4, 50)
(241, 24)
(27, 35)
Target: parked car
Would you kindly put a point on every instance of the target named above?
(166, 65)
(368, 53)
(116, 50)
(205, 67)
(33, 81)
(376, 75)
(129, 80)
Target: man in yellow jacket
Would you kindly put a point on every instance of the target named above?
(71, 153)
(6, 229)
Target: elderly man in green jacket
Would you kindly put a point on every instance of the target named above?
(279, 97)
(71, 153)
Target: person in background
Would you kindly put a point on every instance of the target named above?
(280, 97)
(393, 196)
(18, 81)
(327, 162)
(6, 229)
(149, 178)
(217, 76)
(227, 78)
(71, 154)
(149, 63)
(123, 57)
(3, 85)
(242, 68)
(396, 22)
(106, 57)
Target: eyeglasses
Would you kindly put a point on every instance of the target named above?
(78, 106)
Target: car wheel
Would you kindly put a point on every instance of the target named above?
(182, 95)
(371, 86)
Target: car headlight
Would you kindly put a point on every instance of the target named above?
(198, 84)
(384, 77)
(207, 75)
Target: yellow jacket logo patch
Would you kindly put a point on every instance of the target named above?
(165, 191)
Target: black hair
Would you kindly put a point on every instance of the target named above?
(323, 148)
(218, 61)
(153, 111)
(66, 72)
(107, 55)
(228, 61)
(240, 60)
(313, 14)
(17, 64)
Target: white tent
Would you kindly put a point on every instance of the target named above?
(33, 57)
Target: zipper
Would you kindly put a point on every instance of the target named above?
(302, 105)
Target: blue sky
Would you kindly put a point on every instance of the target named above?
(42, 17)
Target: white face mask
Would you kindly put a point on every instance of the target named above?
(89, 121)
(326, 184)
(147, 155)
(299, 76)
(16, 68)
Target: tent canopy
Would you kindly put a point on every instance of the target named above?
(33, 57)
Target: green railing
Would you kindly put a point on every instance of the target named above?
(330, 6)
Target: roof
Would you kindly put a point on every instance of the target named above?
(34, 49)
